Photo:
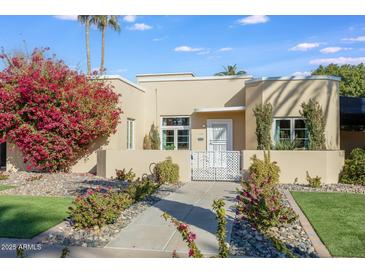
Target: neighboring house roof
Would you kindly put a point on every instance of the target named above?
(167, 74)
(286, 78)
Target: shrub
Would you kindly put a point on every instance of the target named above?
(147, 142)
(263, 171)
(259, 200)
(53, 113)
(314, 182)
(166, 172)
(139, 190)
(354, 169)
(3, 176)
(315, 123)
(98, 207)
(123, 175)
(264, 119)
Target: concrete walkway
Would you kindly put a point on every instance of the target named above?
(192, 203)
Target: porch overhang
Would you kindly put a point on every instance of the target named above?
(220, 109)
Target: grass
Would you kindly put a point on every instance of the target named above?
(338, 219)
(27, 216)
(5, 187)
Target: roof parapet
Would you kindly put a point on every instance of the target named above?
(287, 78)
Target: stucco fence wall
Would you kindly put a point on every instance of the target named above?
(140, 160)
(294, 164)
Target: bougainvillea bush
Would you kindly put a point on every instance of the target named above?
(51, 112)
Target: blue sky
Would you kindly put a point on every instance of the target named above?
(261, 45)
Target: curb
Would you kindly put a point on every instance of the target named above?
(319, 247)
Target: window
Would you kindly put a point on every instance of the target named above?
(130, 134)
(175, 133)
(291, 129)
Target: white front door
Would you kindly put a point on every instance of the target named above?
(219, 135)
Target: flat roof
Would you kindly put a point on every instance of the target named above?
(286, 78)
(166, 73)
(121, 79)
(220, 109)
(199, 78)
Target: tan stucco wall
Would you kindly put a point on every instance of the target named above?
(140, 161)
(351, 140)
(294, 164)
(199, 128)
(286, 96)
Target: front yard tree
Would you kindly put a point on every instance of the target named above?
(52, 113)
(352, 77)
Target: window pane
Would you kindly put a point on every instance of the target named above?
(300, 133)
(299, 123)
(175, 121)
(183, 139)
(283, 124)
(168, 139)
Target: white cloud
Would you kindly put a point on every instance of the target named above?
(355, 39)
(158, 39)
(304, 46)
(254, 19)
(130, 18)
(140, 26)
(333, 49)
(66, 17)
(301, 73)
(187, 49)
(225, 49)
(120, 70)
(338, 60)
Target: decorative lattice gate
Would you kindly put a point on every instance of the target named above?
(215, 165)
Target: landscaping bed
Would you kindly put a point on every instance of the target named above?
(345, 188)
(54, 184)
(68, 235)
(26, 216)
(338, 219)
(246, 240)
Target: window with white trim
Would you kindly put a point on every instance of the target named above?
(130, 133)
(291, 129)
(175, 132)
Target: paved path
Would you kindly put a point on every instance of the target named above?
(192, 204)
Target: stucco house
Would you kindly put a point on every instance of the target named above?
(208, 127)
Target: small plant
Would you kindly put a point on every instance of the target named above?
(188, 236)
(169, 147)
(315, 123)
(147, 142)
(139, 190)
(123, 175)
(34, 178)
(263, 171)
(314, 182)
(65, 252)
(286, 145)
(264, 118)
(3, 176)
(152, 140)
(218, 207)
(354, 169)
(166, 172)
(20, 253)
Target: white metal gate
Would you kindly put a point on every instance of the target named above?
(215, 165)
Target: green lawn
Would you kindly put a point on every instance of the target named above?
(5, 187)
(27, 216)
(339, 220)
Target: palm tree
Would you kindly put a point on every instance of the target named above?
(230, 70)
(103, 22)
(85, 19)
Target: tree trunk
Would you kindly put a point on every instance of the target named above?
(102, 50)
(87, 34)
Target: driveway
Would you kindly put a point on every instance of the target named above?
(191, 204)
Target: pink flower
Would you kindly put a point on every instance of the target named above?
(191, 253)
